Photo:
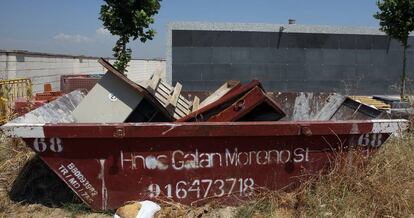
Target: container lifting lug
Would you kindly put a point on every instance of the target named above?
(119, 132)
(239, 105)
(305, 130)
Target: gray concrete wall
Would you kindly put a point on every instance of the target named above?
(291, 58)
(44, 68)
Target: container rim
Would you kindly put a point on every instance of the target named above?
(204, 129)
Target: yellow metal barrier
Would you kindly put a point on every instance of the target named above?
(10, 90)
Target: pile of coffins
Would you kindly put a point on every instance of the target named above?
(115, 98)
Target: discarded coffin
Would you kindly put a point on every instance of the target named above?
(107, 164)
(115, 98)
(308, 106)
(255, 105)
(246, 102)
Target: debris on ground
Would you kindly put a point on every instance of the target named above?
(24, 105)
(142, 209)
(129, 210)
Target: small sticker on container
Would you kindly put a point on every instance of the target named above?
(112, 97)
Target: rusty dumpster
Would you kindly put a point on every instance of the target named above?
(107, 164)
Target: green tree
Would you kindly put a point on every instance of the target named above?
(128, 19)
(397, 20)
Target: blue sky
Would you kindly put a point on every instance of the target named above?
(73, 27)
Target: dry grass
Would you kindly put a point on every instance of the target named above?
(384, 187)
(14, 157)
(381, 186)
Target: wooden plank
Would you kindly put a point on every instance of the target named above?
(166, 87)
(176, 116)
(161, 99)
(176, 94)
(185, 110)
(183, 104)
(179, 113)
(368, 100)
(165, 95)
(163, 89)
(196, 103)
(156, 77)
(182, 98)
(169, 97)
(220, 92)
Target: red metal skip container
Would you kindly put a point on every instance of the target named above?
(107, 164)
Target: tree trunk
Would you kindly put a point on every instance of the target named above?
(123, 45)
(403, 75)
(121, 54)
